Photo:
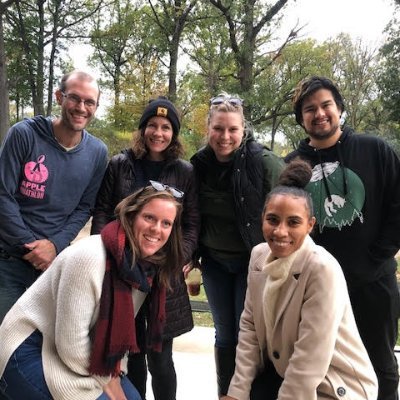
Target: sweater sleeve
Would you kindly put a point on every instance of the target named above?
(77, 302)
(13, 230)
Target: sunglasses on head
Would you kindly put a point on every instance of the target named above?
(234, 101)
(161, 186)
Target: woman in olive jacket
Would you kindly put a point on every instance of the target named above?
(155, 156)
(235, 173)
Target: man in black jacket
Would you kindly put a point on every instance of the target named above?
(356, 193)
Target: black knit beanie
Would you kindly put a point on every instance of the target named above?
(161, 107)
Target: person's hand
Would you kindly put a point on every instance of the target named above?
(189, 266)
(186, 269)
(228, 398)
(41, 254)
(114, 390)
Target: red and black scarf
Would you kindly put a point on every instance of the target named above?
(115, 331)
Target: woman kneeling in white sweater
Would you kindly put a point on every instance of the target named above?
(68, 336)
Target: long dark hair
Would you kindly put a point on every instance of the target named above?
(170, 257)
(172, 152)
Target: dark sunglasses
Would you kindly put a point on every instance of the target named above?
(160, 187)
(234, 101)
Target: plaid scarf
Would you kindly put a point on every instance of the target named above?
(115, 331)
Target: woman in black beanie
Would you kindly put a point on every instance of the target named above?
(155, 155)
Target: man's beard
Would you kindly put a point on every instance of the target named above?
(320, 136)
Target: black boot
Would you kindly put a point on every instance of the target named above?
(225, 367)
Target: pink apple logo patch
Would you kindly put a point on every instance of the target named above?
(35, 173)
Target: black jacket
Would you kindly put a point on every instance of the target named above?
(356, 197)
(255, 172)
(119, 182)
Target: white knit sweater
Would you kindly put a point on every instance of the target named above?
(63, 304)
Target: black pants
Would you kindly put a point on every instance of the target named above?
(162, 370)
(376, 308)
(266, 385)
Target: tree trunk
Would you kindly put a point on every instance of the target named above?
(51, 75)
(173, 62)
(4, 100)
(39, 106)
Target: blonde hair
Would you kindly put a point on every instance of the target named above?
(225, 106)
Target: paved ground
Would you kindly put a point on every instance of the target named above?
(194, 364)
(195, 368)
(194, 361)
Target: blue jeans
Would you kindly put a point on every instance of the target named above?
(225, 284)
(23, 377)
(16, 276)
(130, 391)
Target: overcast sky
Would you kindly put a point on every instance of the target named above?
(363, 19)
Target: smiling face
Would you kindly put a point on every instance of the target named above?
(286, 223)
(225, 133)
(321, 119)
(153, 224)
(76, 116)
(157, 137)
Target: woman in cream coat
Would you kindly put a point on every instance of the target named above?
(298, 338)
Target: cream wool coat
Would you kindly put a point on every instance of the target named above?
(63, 304)
(315, 344)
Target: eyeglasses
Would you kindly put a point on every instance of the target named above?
(160, 187)
(234, 101)
(76, 100)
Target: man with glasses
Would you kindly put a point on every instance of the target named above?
(50, 172)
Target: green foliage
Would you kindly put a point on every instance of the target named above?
(128, 49)
(225, 45)
(389, 75)
(114, 139)
(39, 29)
(207, 46)
(354, 67)
(271, 102)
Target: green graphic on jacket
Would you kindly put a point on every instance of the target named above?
(338, 195)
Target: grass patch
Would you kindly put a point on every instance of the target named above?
(202, 318)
